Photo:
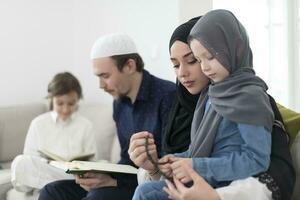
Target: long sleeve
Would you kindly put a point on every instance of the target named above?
(231, 159)
(31, 141)
(182, 154)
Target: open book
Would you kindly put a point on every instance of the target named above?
(81, 167)
(52, 156)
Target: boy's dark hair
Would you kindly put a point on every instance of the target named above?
(121, 61)
(63, 83)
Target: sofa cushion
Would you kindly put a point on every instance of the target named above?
(295, 151)
(13, 194)
(291, 121)
(5, 184)
(14, 123)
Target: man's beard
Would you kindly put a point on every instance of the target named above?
(124, 98)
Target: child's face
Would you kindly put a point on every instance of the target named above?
(65, 105)
(210, 66)
(187, 69)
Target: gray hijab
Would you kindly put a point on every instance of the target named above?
(241, 97)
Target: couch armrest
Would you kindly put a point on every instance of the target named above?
(295, 151)
(5, 183)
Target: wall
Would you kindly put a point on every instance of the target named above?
(40, 38)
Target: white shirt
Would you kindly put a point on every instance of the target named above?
(68, 139)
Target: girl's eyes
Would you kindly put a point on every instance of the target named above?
(210, 58)
(176, 66)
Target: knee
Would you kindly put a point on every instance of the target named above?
(19, 161)
(140, 191)
(49, 191)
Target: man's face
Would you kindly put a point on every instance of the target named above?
(111, 80)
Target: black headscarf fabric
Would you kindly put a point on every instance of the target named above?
(177, 132)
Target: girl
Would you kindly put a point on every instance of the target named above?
(61, 131)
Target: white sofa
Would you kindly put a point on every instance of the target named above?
(15, 121)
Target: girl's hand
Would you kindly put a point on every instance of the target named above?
(166, 168)
(179, 170)
(200, 190)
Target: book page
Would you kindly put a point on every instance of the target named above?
(81, 167)
(76, 167)
(52, 156)
(82, 157)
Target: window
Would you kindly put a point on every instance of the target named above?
(274, 41)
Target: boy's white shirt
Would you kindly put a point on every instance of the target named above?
(69, 138)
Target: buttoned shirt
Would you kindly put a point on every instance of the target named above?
(149, 112)
(69, 138)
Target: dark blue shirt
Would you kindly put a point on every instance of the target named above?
(149, 112)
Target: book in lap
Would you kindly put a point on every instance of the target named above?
(52, 156)
(81, 167)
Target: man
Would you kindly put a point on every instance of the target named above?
(141, 103)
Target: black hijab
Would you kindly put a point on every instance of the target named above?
(177, 132)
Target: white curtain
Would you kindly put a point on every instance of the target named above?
(273, 28)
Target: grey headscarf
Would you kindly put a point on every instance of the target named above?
(241, 97)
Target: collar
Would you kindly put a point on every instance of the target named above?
(144, 90)
(55, 118)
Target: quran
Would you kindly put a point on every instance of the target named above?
(81, 167)
(52, 156)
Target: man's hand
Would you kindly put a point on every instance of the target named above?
(91, 181)
(200, 190)
(137, 150)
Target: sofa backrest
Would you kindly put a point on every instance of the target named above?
(14, 123)
(105, 129)
(295, 151)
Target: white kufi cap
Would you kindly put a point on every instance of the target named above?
(113, 44)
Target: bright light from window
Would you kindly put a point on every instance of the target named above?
(265, 23)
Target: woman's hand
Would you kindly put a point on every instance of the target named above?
(137, 150)
(166, 168)
(200, 190)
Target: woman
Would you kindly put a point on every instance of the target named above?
(177, 132)
(61, 131)
(277, 161)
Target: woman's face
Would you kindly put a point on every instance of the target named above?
(210, 66)
(187, 68)
(65, 105)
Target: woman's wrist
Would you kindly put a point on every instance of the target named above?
(154, 174)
